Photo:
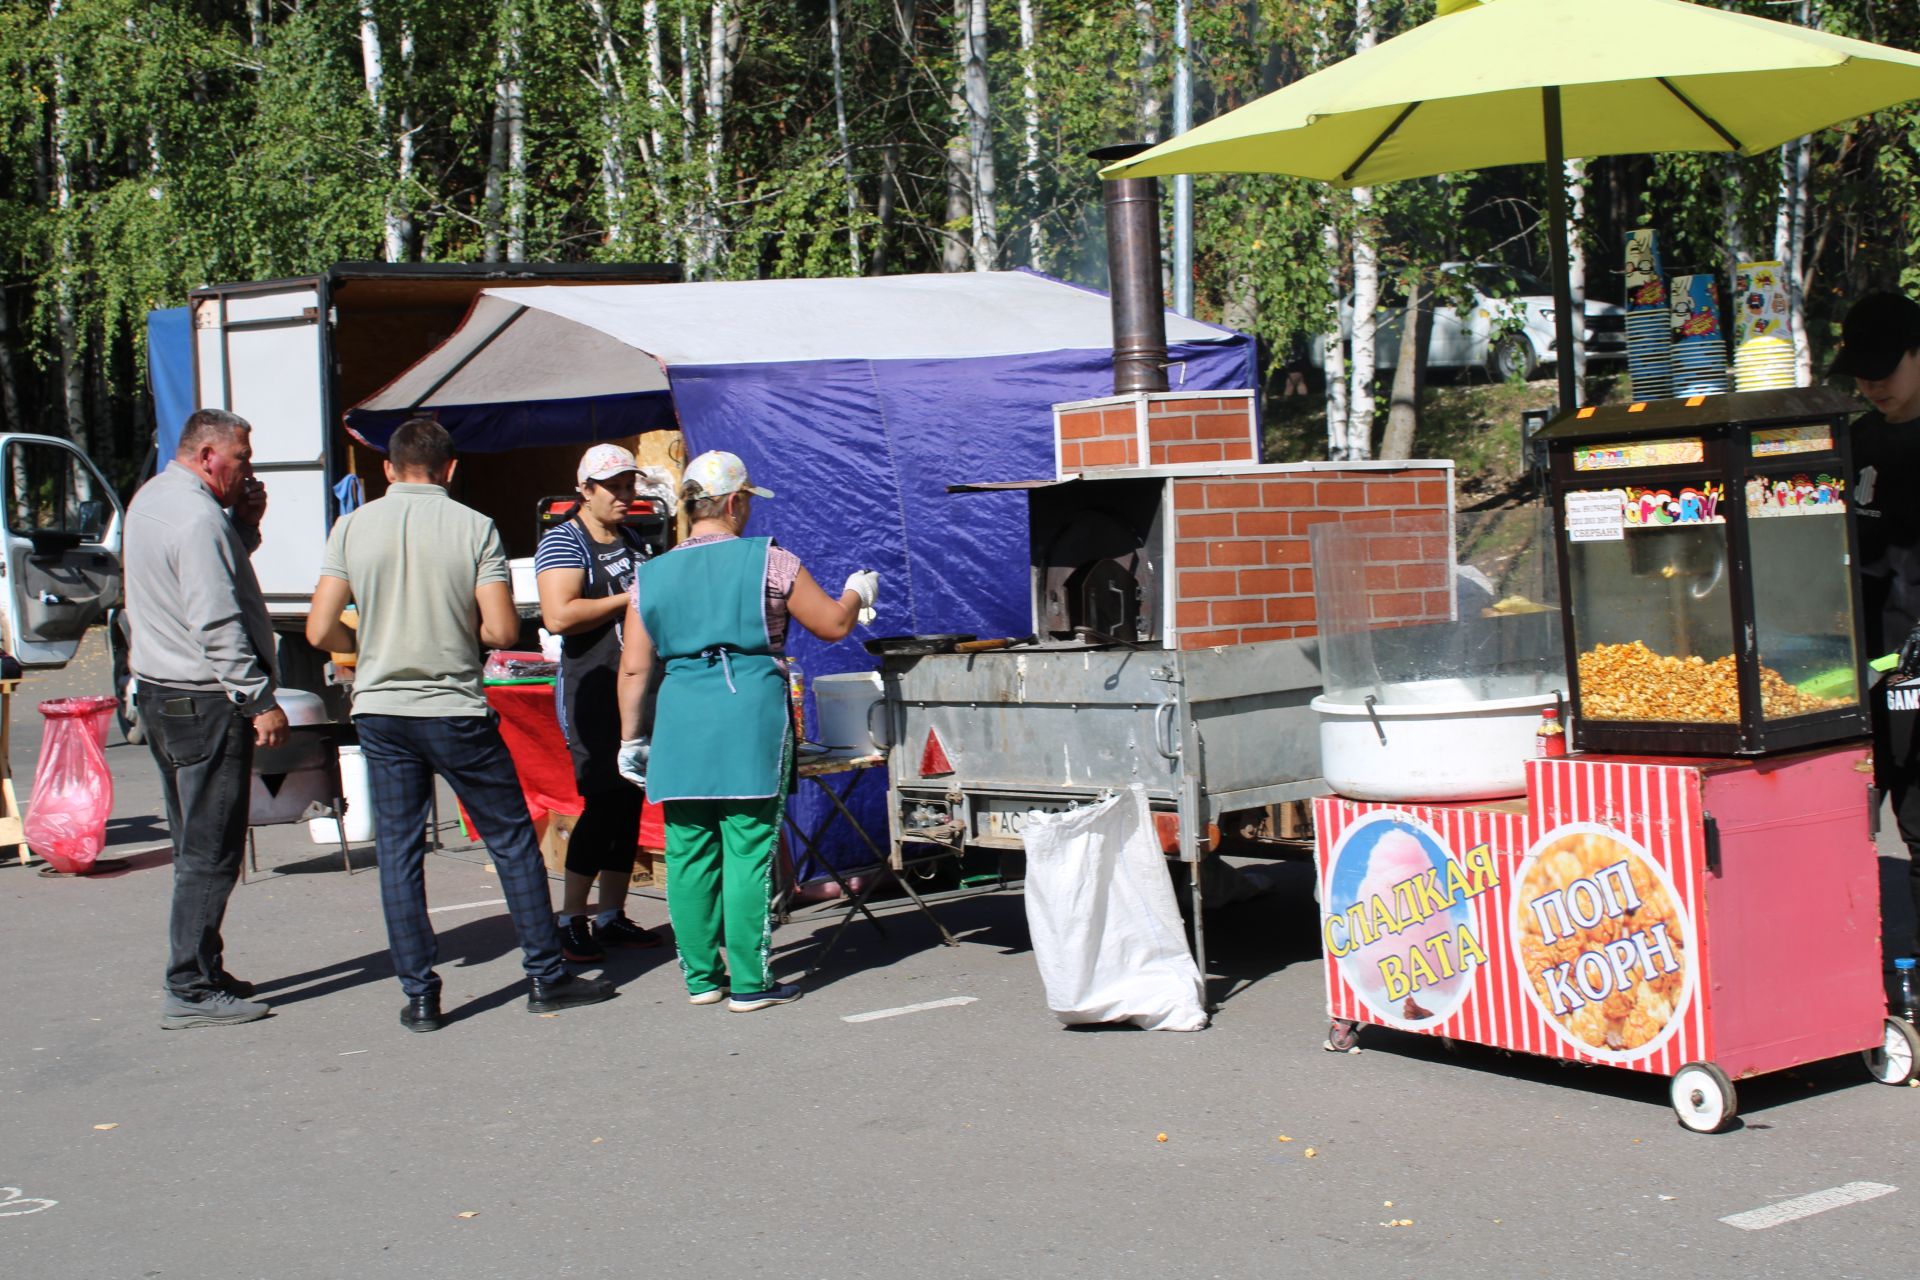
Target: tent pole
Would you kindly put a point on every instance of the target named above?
(1563, 316)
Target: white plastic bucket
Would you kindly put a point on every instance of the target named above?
(359, 798)
(1407, 748)
(841, 704)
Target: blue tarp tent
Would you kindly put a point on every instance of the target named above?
(856, 400)
(170, 375)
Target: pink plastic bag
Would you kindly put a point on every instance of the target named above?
(72, 789)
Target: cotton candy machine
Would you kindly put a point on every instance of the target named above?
(1440, 645)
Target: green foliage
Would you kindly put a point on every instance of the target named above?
(201, 148)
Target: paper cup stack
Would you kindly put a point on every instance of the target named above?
(1699, 337)
(1649, 319)
(1762, 341)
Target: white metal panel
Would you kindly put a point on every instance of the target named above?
(210, 369)
(270, 306)
(276, 380)
(292, 537)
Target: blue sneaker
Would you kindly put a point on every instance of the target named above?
(748, 1001)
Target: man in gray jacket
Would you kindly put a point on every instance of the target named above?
(202, 653)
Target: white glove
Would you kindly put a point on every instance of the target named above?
(633, 760)
(865, 584)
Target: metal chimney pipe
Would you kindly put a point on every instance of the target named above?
(1133, 268)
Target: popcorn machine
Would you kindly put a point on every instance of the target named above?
(1704, 919)
(1706, 563)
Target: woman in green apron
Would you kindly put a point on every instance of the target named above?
(584, 568)
(714, 611)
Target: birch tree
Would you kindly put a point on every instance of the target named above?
(1366, 285)
(982, 184)
(1790, 247)
(610, 87)
(60, 144)
(373, 62)
(954, 254)
(846, 146)
(1576, 180)
(1030, 132)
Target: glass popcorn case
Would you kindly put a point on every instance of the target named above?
(1707, 572)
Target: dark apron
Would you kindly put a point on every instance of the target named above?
(587, 690)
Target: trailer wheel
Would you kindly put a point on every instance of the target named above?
(1897, 1060)
(1342, 1037)
(1703, 1097)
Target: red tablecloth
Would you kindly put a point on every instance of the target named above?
(541, 759)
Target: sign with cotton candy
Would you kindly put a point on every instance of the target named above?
(1399, 917)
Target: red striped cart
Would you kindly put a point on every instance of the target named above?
(1705, 920)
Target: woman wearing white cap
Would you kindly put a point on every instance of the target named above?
(715, 611)
(585, 568)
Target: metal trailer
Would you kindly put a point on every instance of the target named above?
(1208, 732)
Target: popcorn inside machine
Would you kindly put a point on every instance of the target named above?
(1706, 563)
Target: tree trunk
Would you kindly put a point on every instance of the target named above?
(953, 253)
(516, 104)
(9, 389)
(73, 369)
(610, 84)
(1790, 247)
(1333, 344)
(884, 199)
(1410, 375)
(493, 207)
(723, 40)
(1366, 285)
(1030, 133)
(846, 146)
(1147, 94)
(1577, 272)
(983, 182)
(698, 242)
(403, 151)
(373, 68)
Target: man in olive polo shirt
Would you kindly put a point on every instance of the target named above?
(430, 582)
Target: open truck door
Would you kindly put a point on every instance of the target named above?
(62, 556)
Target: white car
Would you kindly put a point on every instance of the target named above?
(1485, 335)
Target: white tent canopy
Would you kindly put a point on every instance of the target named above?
(569, 342)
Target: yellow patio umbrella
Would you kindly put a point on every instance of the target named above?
(1538, 82)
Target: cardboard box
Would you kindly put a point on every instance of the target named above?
(649, 865)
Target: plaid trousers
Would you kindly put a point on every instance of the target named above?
(403, 753)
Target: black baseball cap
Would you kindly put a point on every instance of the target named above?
(1879, 330)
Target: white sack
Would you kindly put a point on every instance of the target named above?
(1106, 933)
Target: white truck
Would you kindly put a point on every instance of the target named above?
(289, 356)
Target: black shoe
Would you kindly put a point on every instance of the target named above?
(622, 932)
(238, 987)
(567, 992)
(577, 942)
(422, 1013)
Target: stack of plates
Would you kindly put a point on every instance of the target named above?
(1649, 318)
(1650, 352)
(1699, 345)
(1762, 364)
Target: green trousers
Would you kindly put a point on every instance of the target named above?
(720, 889)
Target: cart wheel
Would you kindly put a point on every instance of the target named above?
(1897, 1060)
(1342, 1037)
(1703, 1097)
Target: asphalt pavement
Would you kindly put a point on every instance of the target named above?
(971, 1136)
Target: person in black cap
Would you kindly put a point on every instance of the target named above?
(1880, 348)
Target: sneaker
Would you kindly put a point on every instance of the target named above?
(215, 1009)
(622, 932)
(714, 996)
(577, 943)
(748, 1001)
(567, 992)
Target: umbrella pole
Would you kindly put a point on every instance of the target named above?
(1557, 250)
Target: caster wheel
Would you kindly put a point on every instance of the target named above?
(1897, 1060)
(1342, 1037)
(1703, 1097)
